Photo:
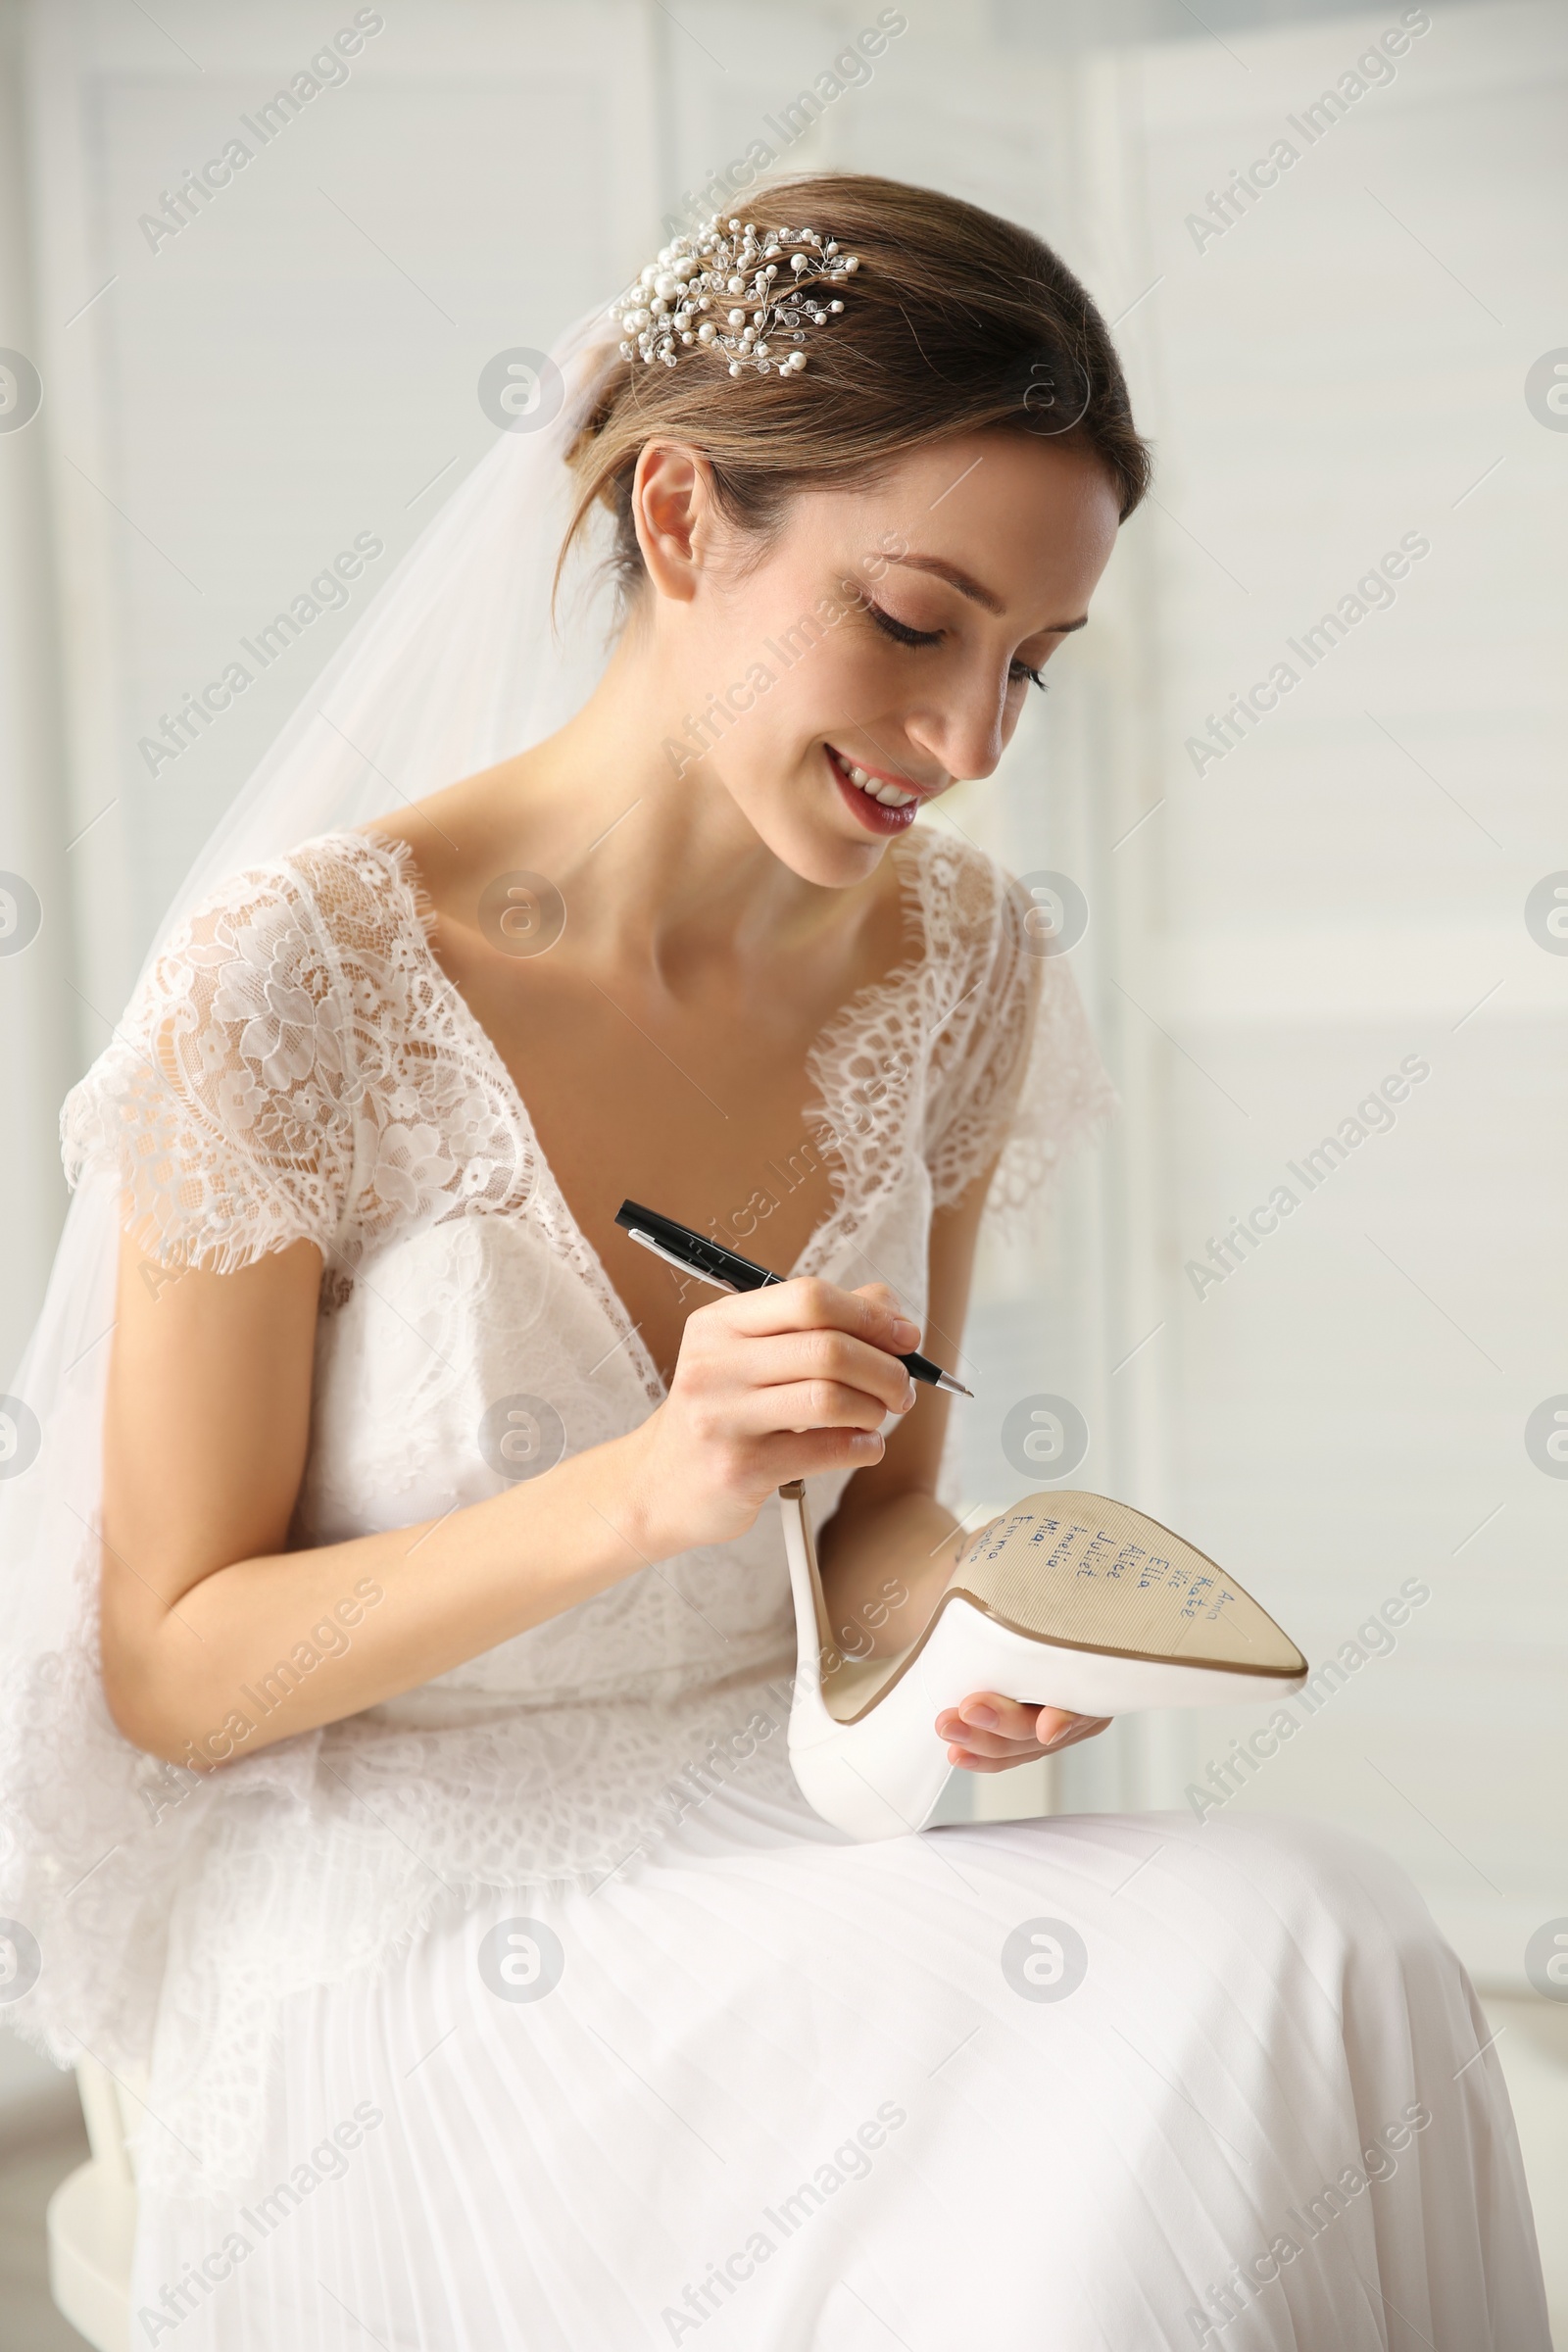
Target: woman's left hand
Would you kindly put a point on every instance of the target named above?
(988, 1733)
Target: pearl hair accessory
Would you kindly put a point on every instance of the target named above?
(716, 289)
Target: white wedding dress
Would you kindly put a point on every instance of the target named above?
(534, 2009)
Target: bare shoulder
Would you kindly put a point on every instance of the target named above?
(458, 838)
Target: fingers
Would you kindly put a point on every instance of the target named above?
(783, 1383)
(989, 1725)
(990, 1734)
(809, 1453)
(883, 1295)
(808, 1404)
(870, 1314)
(779, 1364)
(1056, 1729)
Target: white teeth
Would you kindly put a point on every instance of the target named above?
(888, 793)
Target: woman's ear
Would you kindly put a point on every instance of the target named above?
(671, 504)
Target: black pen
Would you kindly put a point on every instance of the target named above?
(694, 1253)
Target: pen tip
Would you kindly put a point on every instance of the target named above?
(955, 1386)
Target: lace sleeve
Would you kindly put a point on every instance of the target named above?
(221, 1102)
(1022, 1084)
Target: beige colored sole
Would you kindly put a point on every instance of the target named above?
(1077, 1571)
(1089, 1574)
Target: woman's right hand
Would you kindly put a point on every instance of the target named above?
(770, 1385)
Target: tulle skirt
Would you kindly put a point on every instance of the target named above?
(1102, 2081)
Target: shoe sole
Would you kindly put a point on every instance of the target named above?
(1069, 1600)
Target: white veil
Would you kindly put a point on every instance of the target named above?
(453, 666)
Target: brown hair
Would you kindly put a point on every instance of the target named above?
(957, 320)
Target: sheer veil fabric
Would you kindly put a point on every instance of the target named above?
(453, 667)
(326, 1854)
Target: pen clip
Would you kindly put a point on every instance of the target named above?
(648, 1241)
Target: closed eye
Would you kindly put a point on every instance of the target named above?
(902, 634)
(899, 630)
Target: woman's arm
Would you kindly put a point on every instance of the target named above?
(207, 1617)
(216, 1639)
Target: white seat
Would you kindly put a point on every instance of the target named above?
(92, 2220)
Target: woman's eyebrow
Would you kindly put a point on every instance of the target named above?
(972, 588)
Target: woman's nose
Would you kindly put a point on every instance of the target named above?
(964, 735)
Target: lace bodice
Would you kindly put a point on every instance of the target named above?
(297, 1065)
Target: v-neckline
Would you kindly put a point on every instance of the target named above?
(565, 1232)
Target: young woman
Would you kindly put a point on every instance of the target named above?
(432, 1831)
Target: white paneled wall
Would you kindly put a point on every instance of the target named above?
(1341, 367)
(292, 368)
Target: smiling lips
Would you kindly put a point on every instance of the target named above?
(880, 788)
(888, 796)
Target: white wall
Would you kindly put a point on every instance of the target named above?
(1343, 367)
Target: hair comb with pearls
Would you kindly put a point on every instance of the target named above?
(716, 291)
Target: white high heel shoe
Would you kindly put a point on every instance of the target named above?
(1068, 1600)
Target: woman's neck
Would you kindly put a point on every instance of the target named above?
(660, 869)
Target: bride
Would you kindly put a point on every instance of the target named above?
(399, 1635)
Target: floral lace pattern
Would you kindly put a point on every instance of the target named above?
(297, 1065)
(295, 1068)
